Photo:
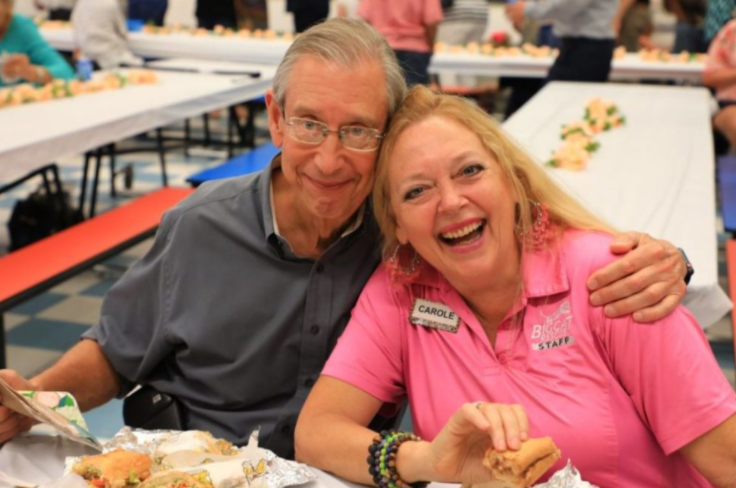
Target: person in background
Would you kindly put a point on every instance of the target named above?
(101, 33)
(57, 9)
(307, 12)
(720, 74)
(252, 14)
(586, 32)
(689, 34)
(260, 273)
(523, 89)
(479, 317)
(717, 14)
(465, 21)
(24, 55)
(149, 11)
(633, 23)
(211, 13)
(409, 27)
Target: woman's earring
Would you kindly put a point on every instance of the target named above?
(541, 231)
(400, 273)
(540, 226)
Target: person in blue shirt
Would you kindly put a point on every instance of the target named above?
(149, 11)
(24, 55)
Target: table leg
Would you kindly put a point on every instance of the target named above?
(207, 135)
(232, 117)
(60, 196)
(83, 190)
(46, 184)
(95, 181)
(249, 131)
(187, 137)
(162, 156)
(113, 172)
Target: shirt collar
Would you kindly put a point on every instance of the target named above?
(269, 215)
(543, 270)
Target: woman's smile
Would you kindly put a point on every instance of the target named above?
(461, 236)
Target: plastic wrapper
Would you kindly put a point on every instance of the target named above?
(567, 477)
(249, 466)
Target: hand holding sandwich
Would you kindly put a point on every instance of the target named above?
(456, 455)
(13, 423)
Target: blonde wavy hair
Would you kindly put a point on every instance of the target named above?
(529, 182)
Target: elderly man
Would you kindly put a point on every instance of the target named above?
(250, 282)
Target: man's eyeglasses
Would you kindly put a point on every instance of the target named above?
(353, 137)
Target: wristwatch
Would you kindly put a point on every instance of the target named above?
(688, 266)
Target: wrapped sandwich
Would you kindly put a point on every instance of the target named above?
(172, 479)
(519, 469)
(116, 469)
(195, 441)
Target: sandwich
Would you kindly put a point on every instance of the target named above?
(519, 469)
(116, 469)
(172, 479)
(196, 441)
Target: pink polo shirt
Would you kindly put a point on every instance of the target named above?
(402, 22)
(619, 398)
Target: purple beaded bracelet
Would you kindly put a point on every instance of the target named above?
(382, 459)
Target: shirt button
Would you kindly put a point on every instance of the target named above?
(309, 382)
(320, 268)
(286, 429)
(314, 330)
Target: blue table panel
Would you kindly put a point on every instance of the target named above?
(255, 160)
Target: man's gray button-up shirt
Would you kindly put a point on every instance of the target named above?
(221, 314)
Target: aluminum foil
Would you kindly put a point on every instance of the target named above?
(251, 466)
(567, 477)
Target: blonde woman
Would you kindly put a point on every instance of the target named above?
(480, 317)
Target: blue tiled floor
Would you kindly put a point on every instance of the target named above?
(98, 289)
(40, 303)
(40, 333)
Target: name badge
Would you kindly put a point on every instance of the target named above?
(434, 315)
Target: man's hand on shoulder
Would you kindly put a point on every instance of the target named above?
(648, 280)
(12, 423)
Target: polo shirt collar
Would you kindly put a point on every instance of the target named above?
(269, 216)
(264, 192)
(543, 270)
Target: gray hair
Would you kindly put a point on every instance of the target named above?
(346, 43)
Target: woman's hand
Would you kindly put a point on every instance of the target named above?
(19, 66)
(456, 454)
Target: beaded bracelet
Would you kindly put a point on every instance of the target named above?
(382, 459)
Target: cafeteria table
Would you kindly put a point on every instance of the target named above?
(654, 174)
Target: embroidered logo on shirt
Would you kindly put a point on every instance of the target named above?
(556, 331)
(434, 315)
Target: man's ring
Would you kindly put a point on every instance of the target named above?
(477, 404)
